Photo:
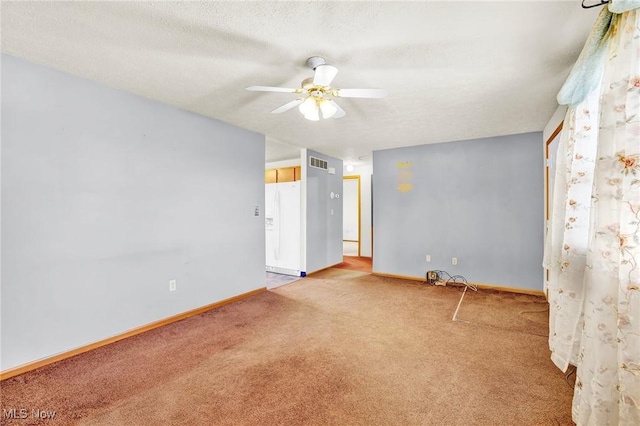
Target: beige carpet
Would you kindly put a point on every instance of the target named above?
(320, 351)
(339, 274)
(520, 313)
(364, 264)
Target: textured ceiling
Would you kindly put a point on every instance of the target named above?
(453, 70)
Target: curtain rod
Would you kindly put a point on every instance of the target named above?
(602, 3)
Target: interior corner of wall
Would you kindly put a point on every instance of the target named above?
(303, 209)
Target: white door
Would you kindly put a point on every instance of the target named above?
(351, 215)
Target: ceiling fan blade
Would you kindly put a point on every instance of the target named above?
(287, 106)
(324, 75)
(340, 112)
(270, 89)
(361, 93)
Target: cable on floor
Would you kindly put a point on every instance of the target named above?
(567, 377)
(444, 278)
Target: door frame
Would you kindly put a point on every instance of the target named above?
(547, 201)
(356, 177)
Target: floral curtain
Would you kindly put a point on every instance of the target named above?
(567, 240)
(607, 390)
(594, 282)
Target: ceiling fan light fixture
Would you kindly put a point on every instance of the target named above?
(312, 116)
(309, 108)
(328, 108)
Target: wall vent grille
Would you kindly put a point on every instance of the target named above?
(318, 163)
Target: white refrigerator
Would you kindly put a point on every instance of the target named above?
(282, 227)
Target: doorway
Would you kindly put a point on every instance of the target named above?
(351, 216)
(550, 154)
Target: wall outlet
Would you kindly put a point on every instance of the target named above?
(428, 258)
(454, 260)
(172, 285)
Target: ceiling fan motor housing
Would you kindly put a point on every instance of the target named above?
(307, 83)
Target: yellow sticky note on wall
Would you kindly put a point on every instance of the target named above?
(405, 187)
(404, 176)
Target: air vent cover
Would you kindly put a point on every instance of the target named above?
(318, 163)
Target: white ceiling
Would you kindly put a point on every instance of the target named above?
(453, 70)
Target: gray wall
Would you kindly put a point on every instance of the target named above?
(107, 196)
(479, 200)
(324, 230)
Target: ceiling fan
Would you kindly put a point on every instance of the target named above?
(317, 93)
